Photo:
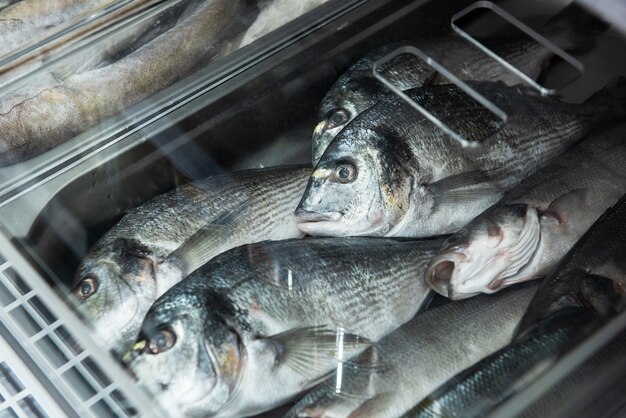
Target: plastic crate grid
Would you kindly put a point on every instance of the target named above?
(53, 350)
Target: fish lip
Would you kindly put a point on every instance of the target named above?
(304, 216)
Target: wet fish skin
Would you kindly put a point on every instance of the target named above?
(287, 304)
(404, 177)
(406, 365)
(592, 274)
(584, 292)
(560, 400)
(356, 90)
(534, 225)
(132, 265)
(475, 391)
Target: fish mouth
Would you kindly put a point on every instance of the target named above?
(303, 215)
(440, 272)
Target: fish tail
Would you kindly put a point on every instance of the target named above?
(574, 29)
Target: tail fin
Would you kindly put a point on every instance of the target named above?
(574, 29)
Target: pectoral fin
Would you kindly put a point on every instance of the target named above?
(315, 351)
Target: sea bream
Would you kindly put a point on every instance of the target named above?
(527, 233)
(357, 90)
(261, 323)
(587, 290)
(405, 366)
(155, 245)
(391, 172)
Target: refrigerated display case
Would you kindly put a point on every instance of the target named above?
(254, 107)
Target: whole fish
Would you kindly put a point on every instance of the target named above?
(587, 289)
(155, 245)
(261, 323)
(357, 90)
(392, 173)
(408, 364)
(534, 225)
(52, 115)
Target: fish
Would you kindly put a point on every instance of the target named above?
(356, 90)
(477, 390)
(570, 396)
(585, 292)
(51, 114)
(390, 172)
(263, 322)
(526, 234)
(161, 241)
(409, 363)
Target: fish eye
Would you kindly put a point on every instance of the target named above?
(345, 173)
(86, 288)
(337, 118)
(161, 341)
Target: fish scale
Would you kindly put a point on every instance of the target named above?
(414, 359)
(395, 150)
(155, 245)
(566, 197)
(292, 309)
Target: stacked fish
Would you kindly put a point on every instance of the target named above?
(220, 308)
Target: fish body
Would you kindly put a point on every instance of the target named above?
(356, 90)
(390, 172)
(566, 397)
(527, 233)
(585, 291)
(140, 257)
(592, 274)
(406, 365)
(285, 312)
(474, 392)
(62, 110)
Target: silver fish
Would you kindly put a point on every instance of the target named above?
(406, 365)
(357, 90)
(475, 391)
(526, 234)
(570, 396)
(155, 245)
(587, 289)
(392, 173)
(261, 323)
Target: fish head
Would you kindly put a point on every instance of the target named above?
(484, 256)
(116, 287)
(344, 102)
(187, 355)
(358, 188)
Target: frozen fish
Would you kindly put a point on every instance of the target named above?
(408, 364)
(357, 89)
(391, 172)
(52, 114)
(155, 245)
(261, 323)
(526, 234)
(586, 290)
